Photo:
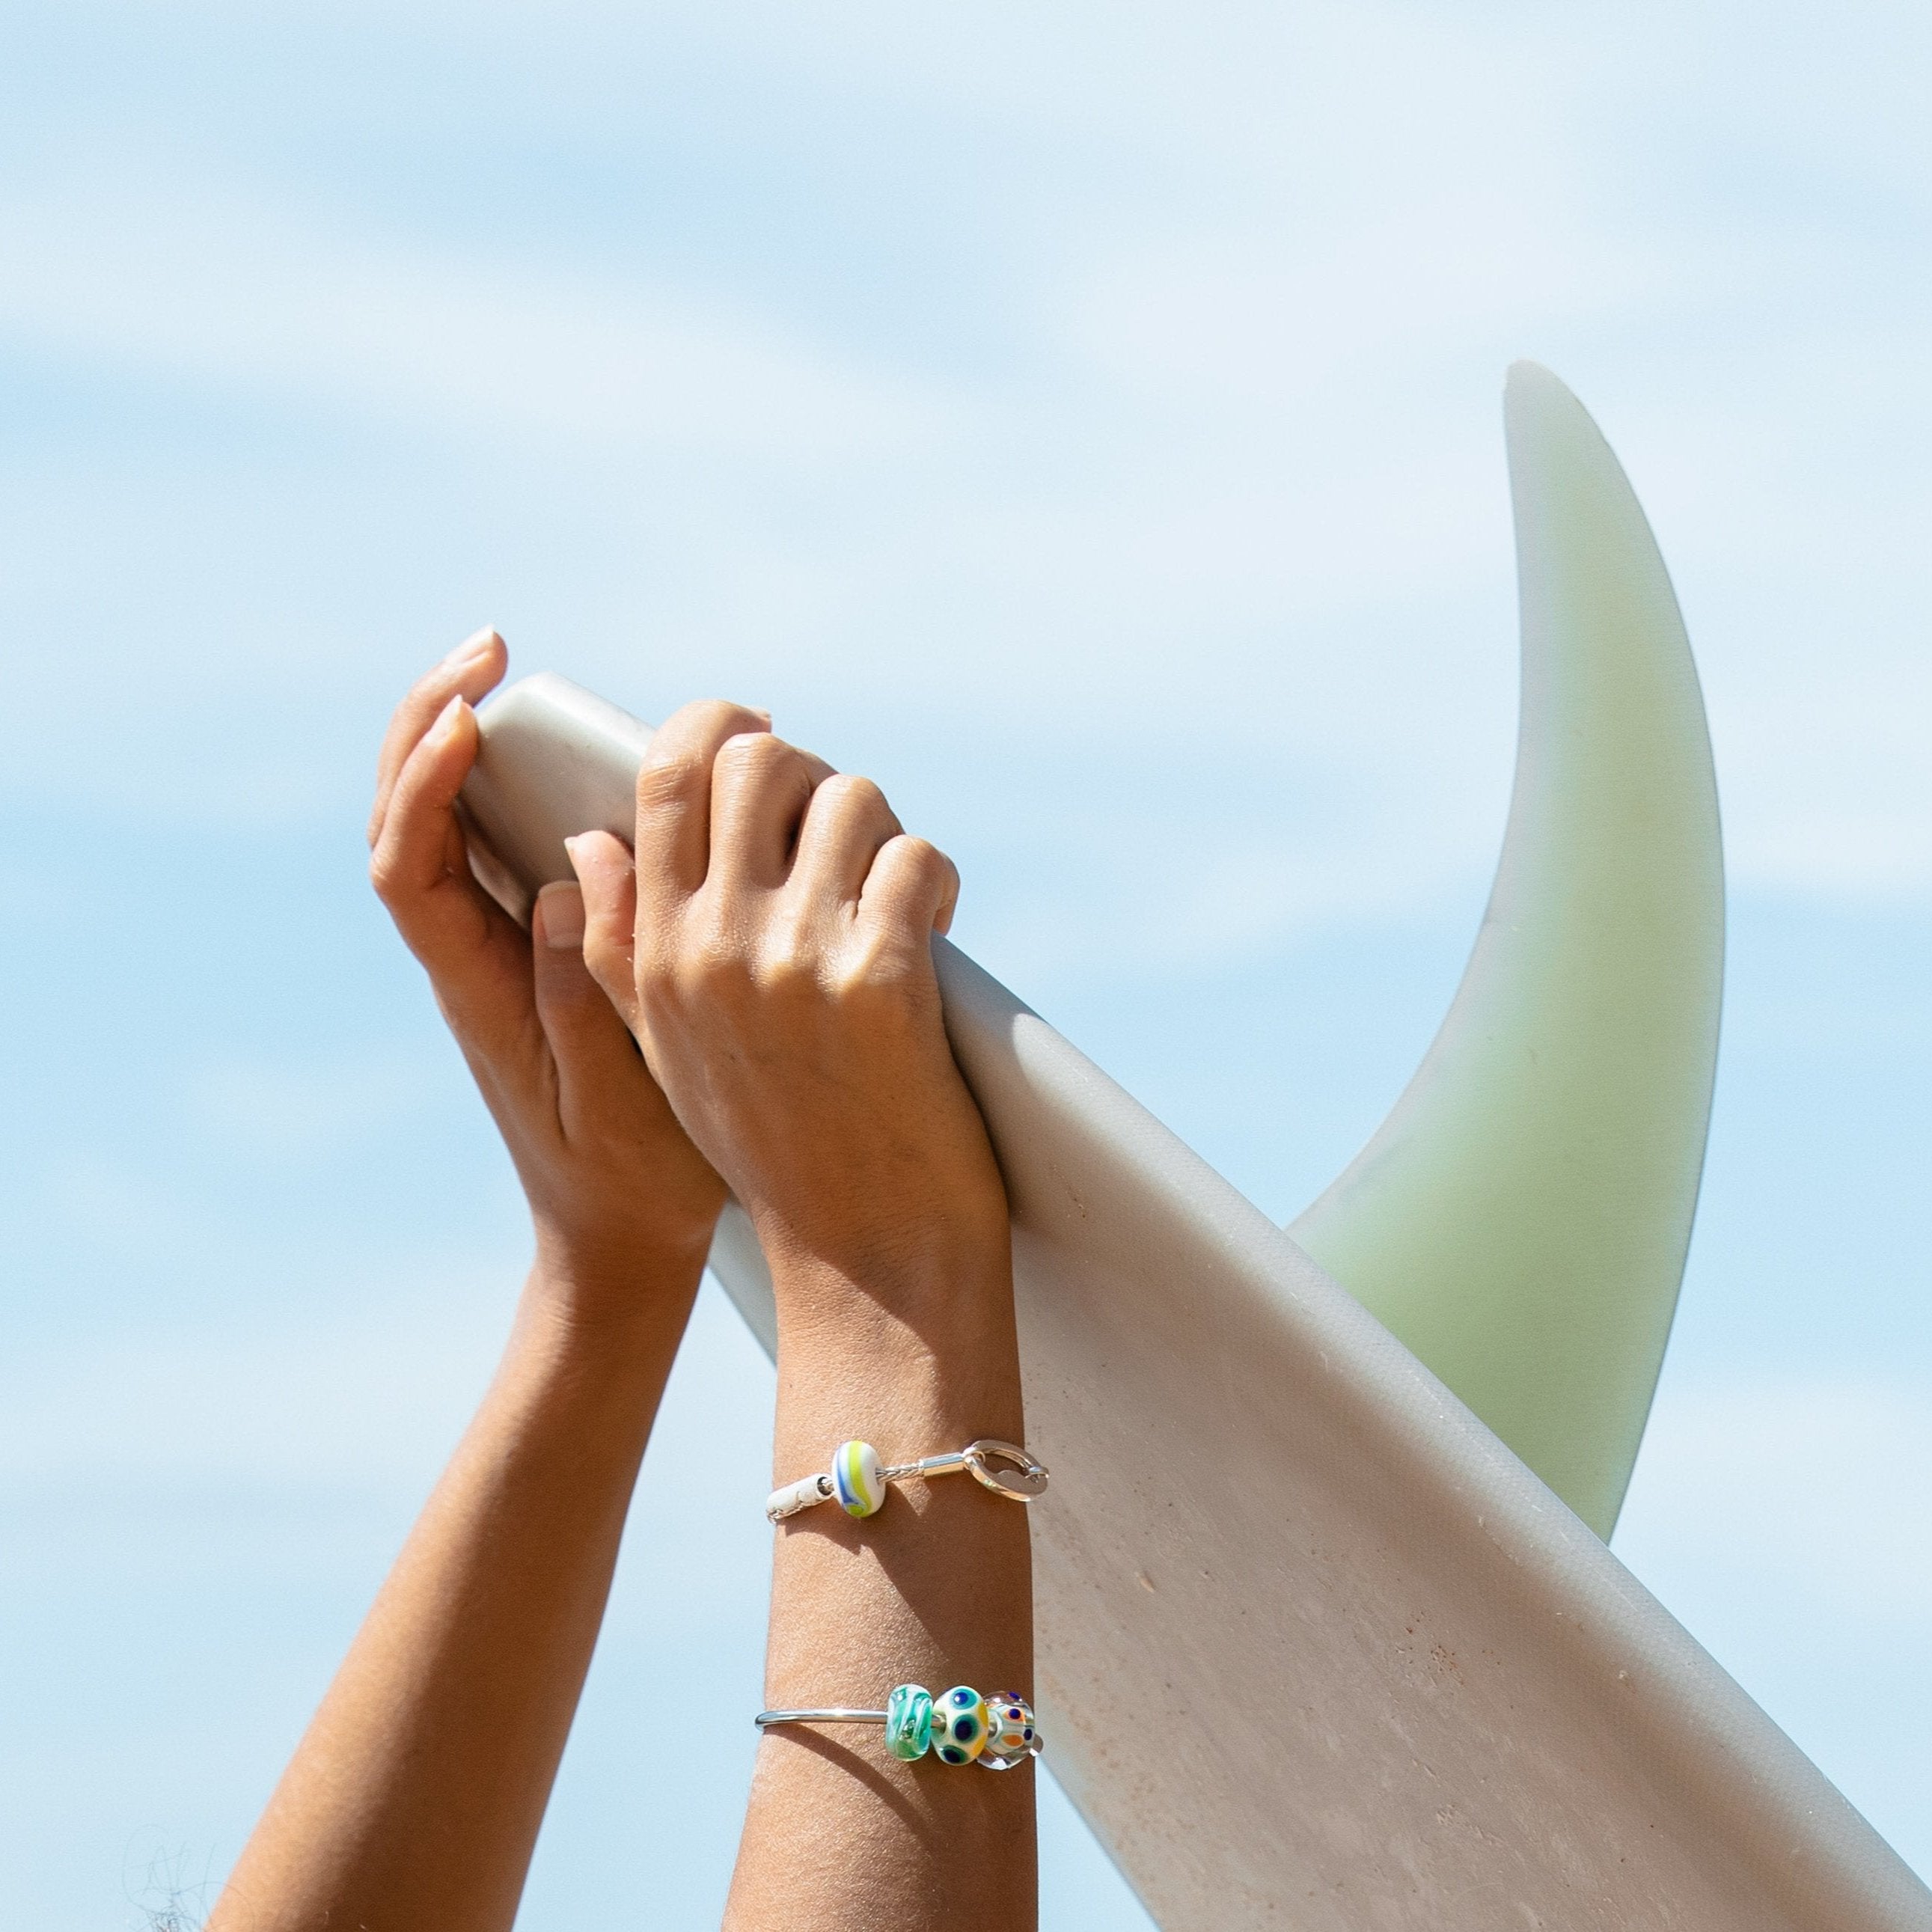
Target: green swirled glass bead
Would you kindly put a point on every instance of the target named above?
(909, 1721)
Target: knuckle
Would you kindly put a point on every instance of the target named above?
(712, 717)
(924, 861)
(858, 801)
(383, 875)
(753, 755)
(702, 722)
(666, 784)
(853, 789)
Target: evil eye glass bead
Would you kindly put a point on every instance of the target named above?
(856, 1478)
(909, 1721)
(959, 1725)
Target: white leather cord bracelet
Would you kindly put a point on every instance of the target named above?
(858, 1480)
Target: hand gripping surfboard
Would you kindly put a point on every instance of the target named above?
(1328, 1636)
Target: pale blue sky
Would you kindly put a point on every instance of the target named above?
(1084, 417)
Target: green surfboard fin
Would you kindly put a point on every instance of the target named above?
(1520, 1220)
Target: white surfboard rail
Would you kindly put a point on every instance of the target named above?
(1316, 1649)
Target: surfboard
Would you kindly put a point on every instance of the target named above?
(1521, 1218)
(1318, 1646)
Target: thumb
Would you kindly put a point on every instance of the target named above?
(595, 1059)
(610, 884)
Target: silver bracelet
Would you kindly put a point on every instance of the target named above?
(858, 1480)
(958, 1727)
(765, 1718)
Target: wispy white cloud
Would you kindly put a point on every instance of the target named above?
(1214, 421)
(167, 274)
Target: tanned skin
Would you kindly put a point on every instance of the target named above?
(772, 949)
(769, 951)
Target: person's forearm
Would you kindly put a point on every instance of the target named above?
(935, 1589)
(415, 1798)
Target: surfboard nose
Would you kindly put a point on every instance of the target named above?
(1521, 1219)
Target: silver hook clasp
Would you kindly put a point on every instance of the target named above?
(1006, 1469)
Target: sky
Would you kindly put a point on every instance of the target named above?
(1084, 418)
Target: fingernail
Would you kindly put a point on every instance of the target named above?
(561, 905)
(446, 719)
(570, 846)
(472, 647)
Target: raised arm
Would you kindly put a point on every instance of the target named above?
(413, 1801)
(772, 949)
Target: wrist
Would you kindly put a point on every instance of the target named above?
(610, 1291)
(907, 1362)
(563, 1398)
(941, 1313)
(956, 1275)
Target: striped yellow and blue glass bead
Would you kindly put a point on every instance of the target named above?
(959, 1725)
(856, 1480)
(909, 1721)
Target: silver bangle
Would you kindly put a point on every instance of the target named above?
(958, 1726)
(858, 1479)
(765, 1718)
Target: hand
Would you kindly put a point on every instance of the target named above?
(616, 1189)
(771, 947)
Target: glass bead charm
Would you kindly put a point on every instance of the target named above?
(909, 1721)
(959, 1725)
(856, 1478)
(1011, 1736)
